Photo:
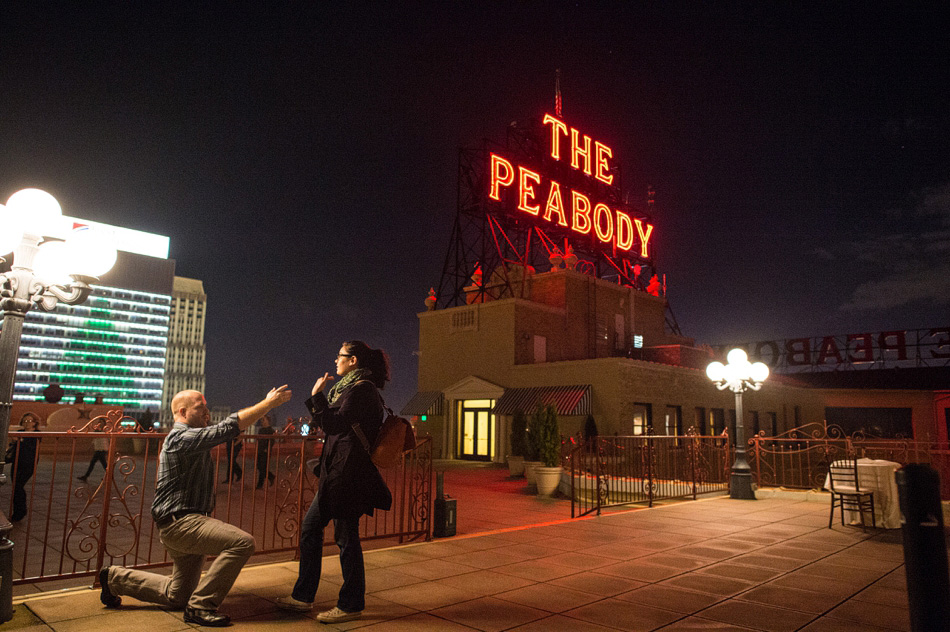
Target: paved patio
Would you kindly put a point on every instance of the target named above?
(714, 564)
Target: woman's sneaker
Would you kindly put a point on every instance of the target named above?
(335, 615)
(289, 603)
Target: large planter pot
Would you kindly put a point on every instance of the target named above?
(548, 479)
(515, 466)
(529, 468)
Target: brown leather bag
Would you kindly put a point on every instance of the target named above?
(395, 438)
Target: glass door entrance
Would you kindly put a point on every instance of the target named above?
(476, 430)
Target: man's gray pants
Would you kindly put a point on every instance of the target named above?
(189, 540)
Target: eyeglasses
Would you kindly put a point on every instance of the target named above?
(344, 355)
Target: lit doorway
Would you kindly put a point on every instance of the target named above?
(476, 430)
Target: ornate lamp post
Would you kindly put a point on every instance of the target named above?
(739, 375)
(44, 271)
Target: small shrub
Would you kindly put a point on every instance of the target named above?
(545, 435)
(519, 435)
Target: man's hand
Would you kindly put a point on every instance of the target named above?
(321, 383)
(278, 396)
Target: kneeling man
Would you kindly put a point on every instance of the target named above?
(184, 500)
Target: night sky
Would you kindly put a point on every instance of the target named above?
(303, 159)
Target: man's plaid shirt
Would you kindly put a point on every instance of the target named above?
(185, 480)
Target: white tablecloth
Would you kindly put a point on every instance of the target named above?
(877, 476)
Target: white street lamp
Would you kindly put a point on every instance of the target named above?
(739, 375)
(43, 272)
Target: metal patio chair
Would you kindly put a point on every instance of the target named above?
(846, 491)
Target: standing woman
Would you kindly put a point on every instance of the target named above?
(25, 458)
(350, 485)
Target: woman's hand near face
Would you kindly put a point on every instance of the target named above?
(321, 383)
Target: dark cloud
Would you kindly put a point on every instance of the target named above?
(914, 266)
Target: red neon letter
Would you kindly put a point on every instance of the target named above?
(502, 174)
(644, 237)
(898, 344)
(557, 128)
(604, 233)
(798, 352)
(940, 343)
(555, 205)
(829, 350)
(526, 191)
(580, 218)
(865, 348)
(602, 153)
(624, 231)
(577, 151)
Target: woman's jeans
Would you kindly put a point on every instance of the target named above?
(347, 536)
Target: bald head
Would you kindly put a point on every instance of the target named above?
(191, 408)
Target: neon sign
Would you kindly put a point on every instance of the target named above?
(545, 198)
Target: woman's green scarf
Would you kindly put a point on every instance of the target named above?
(347, 381)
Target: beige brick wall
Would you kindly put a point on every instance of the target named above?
(495, 341)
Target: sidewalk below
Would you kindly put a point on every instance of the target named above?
(715, 564)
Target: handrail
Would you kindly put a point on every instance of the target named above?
(799, 458)
(615, 471)
(80, 527)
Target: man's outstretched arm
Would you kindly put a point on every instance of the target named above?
(276, 397)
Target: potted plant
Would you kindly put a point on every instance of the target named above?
(518, 443)
(547, 438)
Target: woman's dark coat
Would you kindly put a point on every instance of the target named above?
(349, 482)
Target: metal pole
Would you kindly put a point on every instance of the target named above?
(14, 311)
(741, 484)
(9, 350)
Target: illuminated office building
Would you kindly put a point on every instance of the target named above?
(111, 348)
(185, 365)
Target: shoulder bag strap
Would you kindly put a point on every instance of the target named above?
(356, 427)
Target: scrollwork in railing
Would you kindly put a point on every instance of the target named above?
(121, 514)
(82, 538)
(648, 464)
(82, 534)
(800, 457)
(696, 459)
(604, 448)
(287, 504)
(111, 421)
(420, 482)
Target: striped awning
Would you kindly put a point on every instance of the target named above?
(568, 400)
(425, 403)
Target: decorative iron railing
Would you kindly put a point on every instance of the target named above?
(74, 527)
(613, 471)
(800, 457)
